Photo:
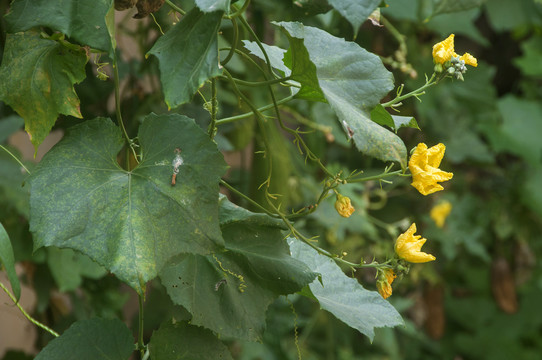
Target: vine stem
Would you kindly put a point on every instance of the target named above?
(175, 7)
(231, 188)
(26, 315)
(249, 114)
(16, 159)
(415, 93)
(140, 343)
(214, 109)
(379, 176)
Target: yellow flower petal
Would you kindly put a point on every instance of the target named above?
(423, 165)
(408, 247)
(384, 281)
(469, 59)
(344, 206)
(444, 50)
(440, 212)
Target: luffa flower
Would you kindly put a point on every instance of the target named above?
(423, 165)
(444, 51)
(440, 212)
(408, 247)
(344, 206)
(383, 284)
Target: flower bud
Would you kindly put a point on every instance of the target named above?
(344, 206)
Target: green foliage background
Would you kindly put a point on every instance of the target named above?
(479, 300)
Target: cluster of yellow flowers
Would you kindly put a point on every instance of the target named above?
(444, 51)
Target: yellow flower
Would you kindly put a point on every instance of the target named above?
(469, 59)
(423, 165)
(444, 50)
(343, 206)
(440, 212)
(383, 284)
(408, 247)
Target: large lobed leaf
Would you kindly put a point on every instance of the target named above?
(344, 297)
(131, 222)
(36, 79)
(188, 55)
(94, 339)
(182, 341)
(351, 79)
(82, 20)
(209, 286)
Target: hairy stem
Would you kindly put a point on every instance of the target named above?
(15, 158)
(26, 315)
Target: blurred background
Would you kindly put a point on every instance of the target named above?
(479, 300)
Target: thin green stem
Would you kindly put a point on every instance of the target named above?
(235, 42)
(261, 83)
(141, 344)
(26, 315)
(416, 93)
(378, 177)
(246, 57)
(237, 192)
(249, 114)
(259, 43)
(175, 7)
(214, 109)
(240, 11)
(117, 105)
(15, 158)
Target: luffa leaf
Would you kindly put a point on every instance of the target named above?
(131, 222)
(94, 339)
(188, 55)
(355, 11)
(36, 79)
(344, 297)
(352, 81)
(211, 288)
(182, 341)
(81, 20)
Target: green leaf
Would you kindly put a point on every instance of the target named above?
(188, 55)
(275, 54)
(531, 192)
(355, 11)
(131, 222)
(83, 21)
(7, 259)
(69, 267)
(529, 62)
(210, 287)
(303, 70)
(36, 79)
(353, 82)
(9, 125)
(186, 342)
(93, 339)
(213, 5)
(520, 130)
(344, 297)
(450, 6)
(381, 116)
(404, 121)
